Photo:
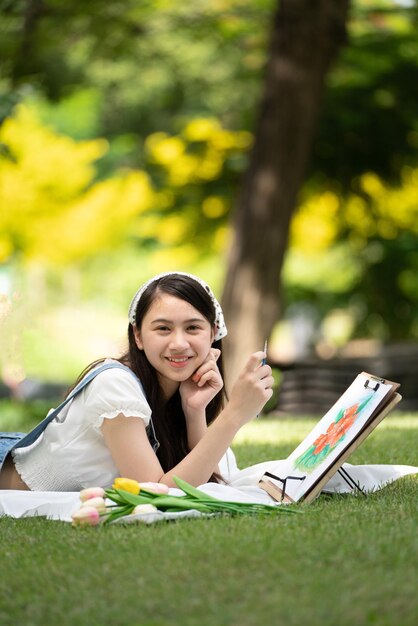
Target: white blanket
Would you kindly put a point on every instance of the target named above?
(242, 487)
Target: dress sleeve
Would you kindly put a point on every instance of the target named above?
(113, 392)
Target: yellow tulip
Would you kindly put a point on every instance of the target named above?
(127, 484)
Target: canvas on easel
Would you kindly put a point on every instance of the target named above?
(342, 429)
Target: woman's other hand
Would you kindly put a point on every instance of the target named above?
(252, 389)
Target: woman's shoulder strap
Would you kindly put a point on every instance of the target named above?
(34, 434)
(98, 370)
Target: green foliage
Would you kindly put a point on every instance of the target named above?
(153, 65)
(368, 120)
(152, 62)
(356, 226)
(181, 199)
(23, 416)
(119, 91)
(193, 172)
(371, 235)
(56, 212)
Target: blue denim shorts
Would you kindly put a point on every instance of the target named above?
(7, 442)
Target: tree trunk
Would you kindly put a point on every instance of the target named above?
(26, 54)
(305, 39)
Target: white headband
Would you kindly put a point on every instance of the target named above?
(220, 327)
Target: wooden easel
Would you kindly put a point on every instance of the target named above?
(278, 492)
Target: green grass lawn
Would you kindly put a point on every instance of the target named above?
(347, 560)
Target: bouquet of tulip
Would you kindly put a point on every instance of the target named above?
(129, 497)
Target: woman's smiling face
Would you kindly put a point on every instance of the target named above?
(176, 339)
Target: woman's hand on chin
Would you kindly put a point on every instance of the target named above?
(196, 392)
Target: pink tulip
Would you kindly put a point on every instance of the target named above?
(91, 492)
(97, 503)
(154, 487)
(86, 516)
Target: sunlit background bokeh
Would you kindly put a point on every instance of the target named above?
(125, 132)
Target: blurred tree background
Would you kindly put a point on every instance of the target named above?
(126, 129)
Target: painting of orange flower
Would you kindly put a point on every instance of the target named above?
(326, 442)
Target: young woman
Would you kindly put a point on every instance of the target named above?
(160, 412)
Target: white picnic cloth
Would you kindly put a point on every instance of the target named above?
(242, 487)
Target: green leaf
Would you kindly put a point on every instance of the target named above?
(192, 491)
(182, 504)
(117, 512)
(126, 496)
(194, 499)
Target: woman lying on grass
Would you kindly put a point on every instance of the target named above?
(162, 414)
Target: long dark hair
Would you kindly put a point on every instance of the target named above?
(168, 417)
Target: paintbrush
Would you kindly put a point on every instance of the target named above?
(264, 361)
